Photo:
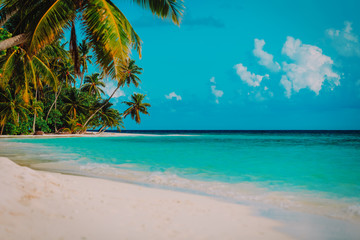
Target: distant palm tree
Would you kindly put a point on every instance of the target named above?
(136, 106)
(131, 72)
(85, 58)
(130, 76)
(74, 103)
(109, 118)
(12, 108)
(93, 85)
(64, 70)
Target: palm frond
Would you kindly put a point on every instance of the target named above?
(173, 9)
(47, 74)
(57, 14)
(8, 69)
(110, 34)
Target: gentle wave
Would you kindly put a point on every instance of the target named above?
(245, 192)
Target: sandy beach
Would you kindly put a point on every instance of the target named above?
(43, 205)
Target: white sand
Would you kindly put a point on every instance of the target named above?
(40, 205)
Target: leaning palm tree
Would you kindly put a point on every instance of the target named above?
(12, 108)
(85, 58)
(131, 70)
(74, 103)
(37, 23)
(109, 118)
(93, 85)
(136, 106)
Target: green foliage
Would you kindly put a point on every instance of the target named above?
(136, 106)
(4, 34)
(23, 128)
(37, 75)
(93, 85)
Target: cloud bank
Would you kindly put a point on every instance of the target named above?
(310, 67)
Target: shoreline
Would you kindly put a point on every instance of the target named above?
(90, 134)
(87, 134)
(44, 205)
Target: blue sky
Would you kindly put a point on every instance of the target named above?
(250, 64)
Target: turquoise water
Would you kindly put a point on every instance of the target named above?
(317, 172)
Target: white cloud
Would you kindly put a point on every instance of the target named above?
(217, 93)
(310, 67)
(111, 85)
(287, 85)
(345, 41)
(266, 59)
(173, 95)
(250, 78)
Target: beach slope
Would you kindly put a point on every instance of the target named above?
(41, 205)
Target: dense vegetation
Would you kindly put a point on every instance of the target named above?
(44, 79)
(55, 102)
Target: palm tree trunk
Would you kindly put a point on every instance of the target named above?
(13, 41)
(101, 129)
(104, 129)
(2, 23)
(34, 123)
(54, 103)
(55, 121)
(81, 78)
(35, 111)
(97, 110)
(2, 129)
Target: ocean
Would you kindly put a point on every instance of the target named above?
(313, 172)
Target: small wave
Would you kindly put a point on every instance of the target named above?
(244, 192)
(354, 210)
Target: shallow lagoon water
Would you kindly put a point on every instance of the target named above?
(310, 172)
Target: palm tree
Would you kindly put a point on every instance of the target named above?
(74, 103)
(130, 76)
(19, 70)
(36, 108)
(85, 58)
(37, 23)
(65, 75)
(12, 108)
(136, 106)
(93, 85)
(131, 72)
(109, 118)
